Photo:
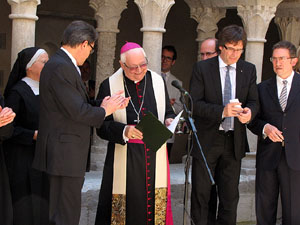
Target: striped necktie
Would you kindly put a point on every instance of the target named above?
(283, 95)
(226, 124)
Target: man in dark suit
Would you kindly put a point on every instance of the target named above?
(278, 154)
(66, 118)
(221, 124)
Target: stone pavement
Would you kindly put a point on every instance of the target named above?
(246, 207)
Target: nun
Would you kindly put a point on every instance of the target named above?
(29, 187)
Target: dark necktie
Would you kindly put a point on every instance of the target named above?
(226, 124)
(283, 95)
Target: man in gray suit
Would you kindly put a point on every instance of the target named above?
(66, 120)
(168, 58)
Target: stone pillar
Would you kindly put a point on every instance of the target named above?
(107, 14)
(154, 14)
(207, 18)
(23, 16)
(288, 20)
(256, 16)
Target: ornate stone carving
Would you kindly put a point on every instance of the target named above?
(108, 13)
(153, 14)
(23, 15)
(288, 20)
(207, 18)
(256, 16)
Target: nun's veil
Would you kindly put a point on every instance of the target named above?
(19, 69)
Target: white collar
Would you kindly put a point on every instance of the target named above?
(33, 84)
(222, 64)
(72, 59)
(289, 79)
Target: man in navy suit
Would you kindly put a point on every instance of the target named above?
(221, 125)
(278, 128)
(66, 119)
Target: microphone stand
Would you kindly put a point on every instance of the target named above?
(192, 130)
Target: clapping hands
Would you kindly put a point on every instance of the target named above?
(114, 102)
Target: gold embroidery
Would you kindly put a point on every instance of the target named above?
(118, 212)
(160, 205)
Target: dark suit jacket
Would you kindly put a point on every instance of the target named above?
(268, 152)
(66, 118)
(206, 92)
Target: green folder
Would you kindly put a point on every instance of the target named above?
(155, 134)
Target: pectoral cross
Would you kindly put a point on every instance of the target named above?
(137, 120)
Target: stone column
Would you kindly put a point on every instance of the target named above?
(288, 20)
(23, 16)
(154, 14)
(256, 16)
(207, 18)
(107, 14)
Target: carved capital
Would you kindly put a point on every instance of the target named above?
(288, 20)
(108, 14)
(289, 27)
(23, 9)
(207, 17)
(154, 13)
(256, 16)
(37, 2)
(288, 9)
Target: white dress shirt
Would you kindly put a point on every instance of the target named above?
(279, 89)
(288, 85)
(232, 75)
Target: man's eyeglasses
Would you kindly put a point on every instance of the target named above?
(135, 68)
(93, 48)
(232, 50)
(167, 58)
(208, 54)
(280, 59)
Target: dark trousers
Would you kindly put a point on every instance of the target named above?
(65, 200)
(269, 183)
(226, 171)
(169, 149)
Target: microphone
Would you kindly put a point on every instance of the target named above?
(177, 85)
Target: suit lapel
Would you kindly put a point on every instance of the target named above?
(272, 90)
(215, 73)
(239, 79)
(78, 77)
(295, 88)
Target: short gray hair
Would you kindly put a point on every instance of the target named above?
(123, 55)
(77, 32)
